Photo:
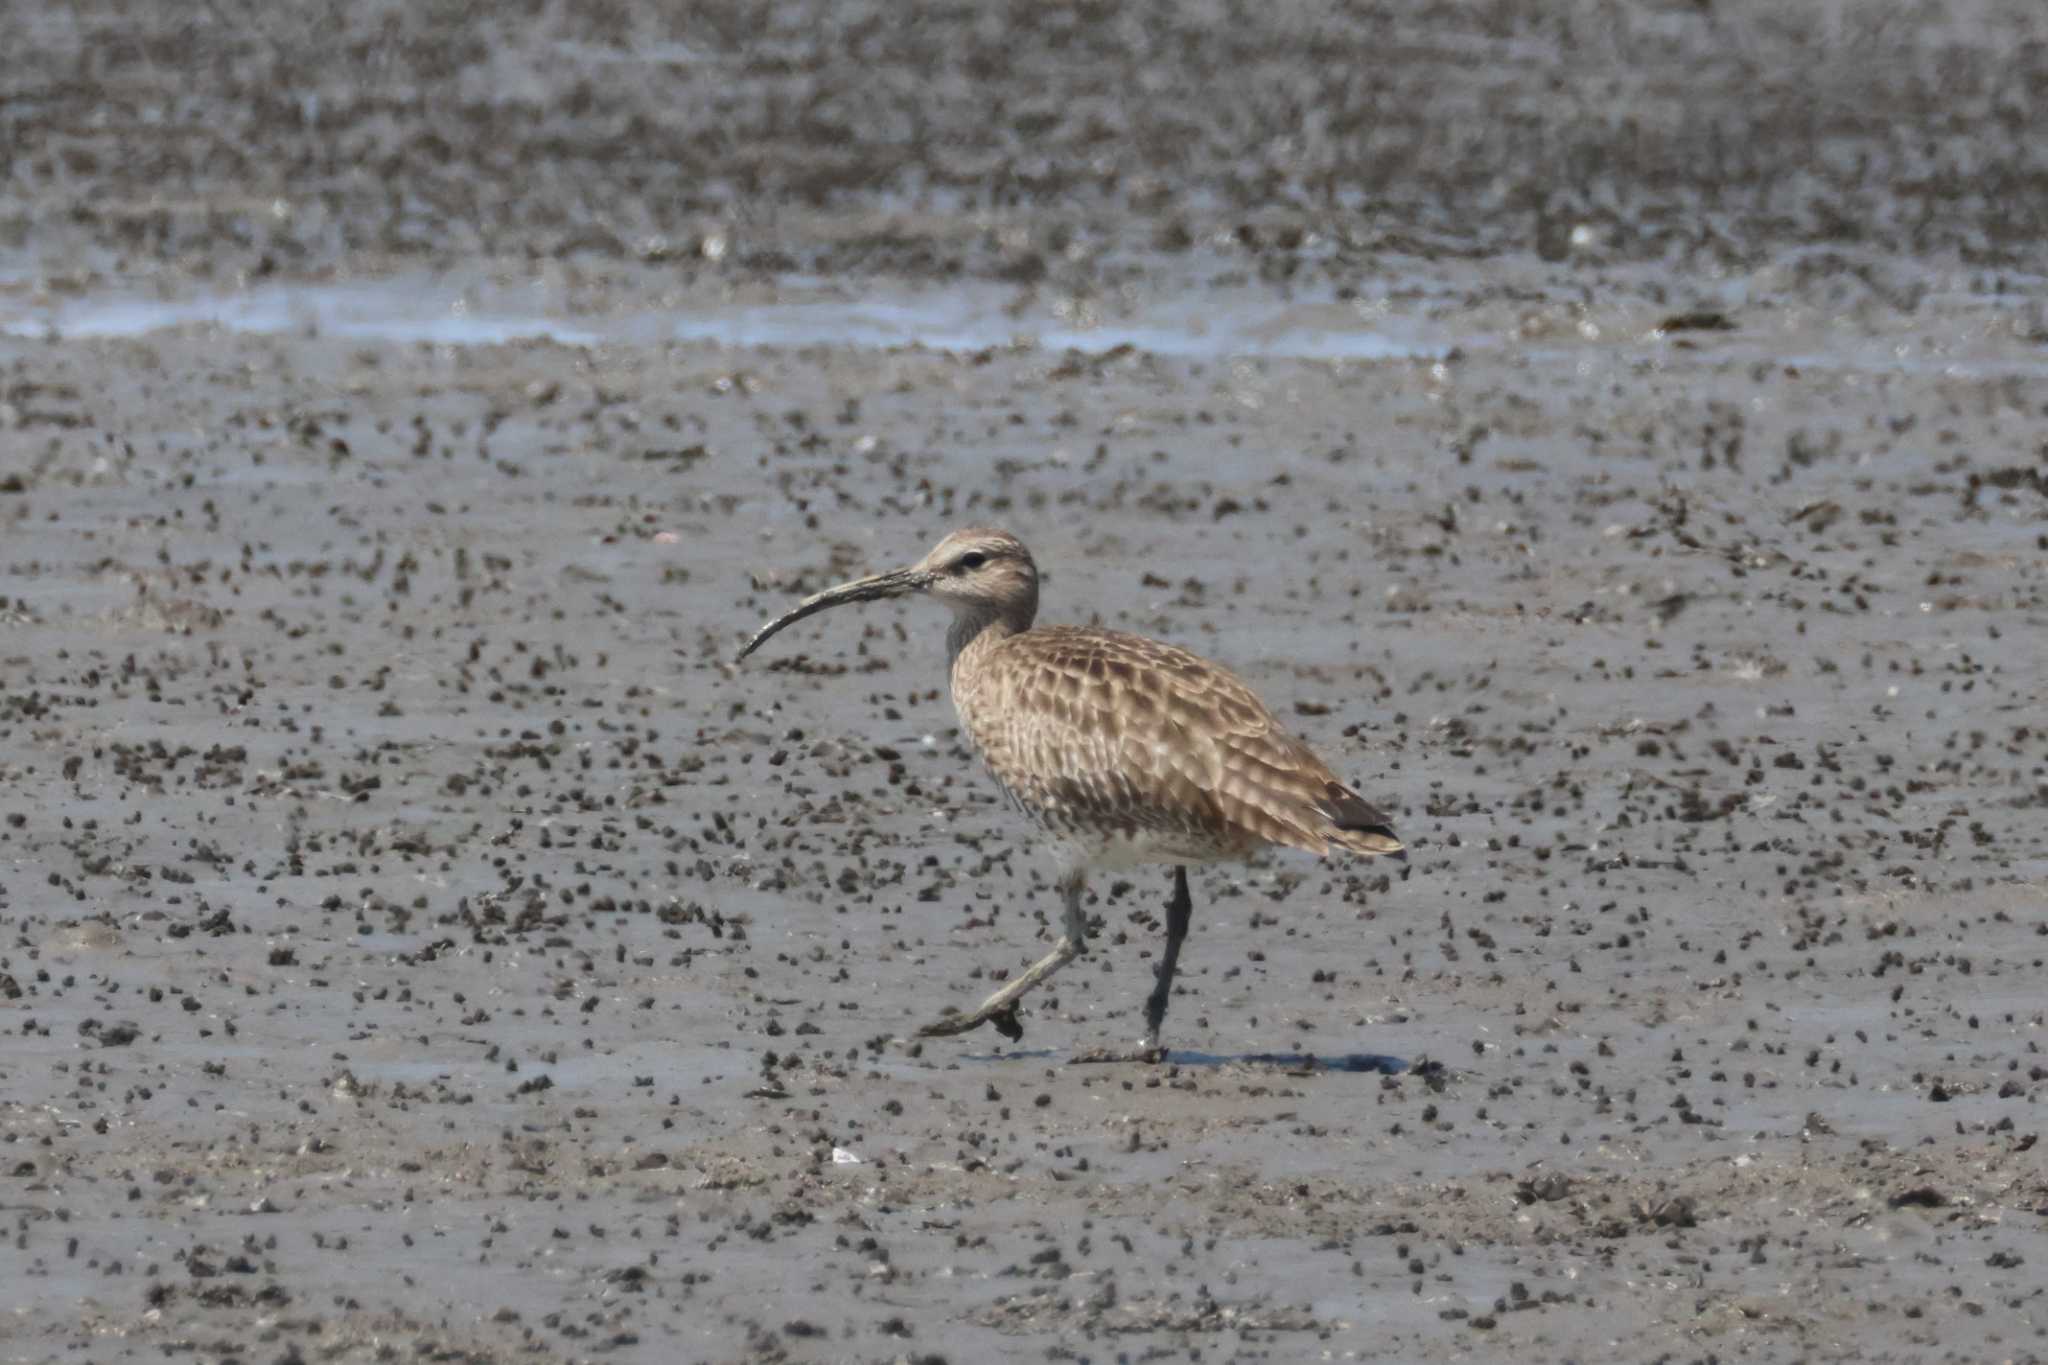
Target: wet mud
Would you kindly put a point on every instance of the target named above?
(418, 939)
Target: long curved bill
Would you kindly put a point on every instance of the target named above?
(882, 585)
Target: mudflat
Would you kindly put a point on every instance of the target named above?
(1616, 438)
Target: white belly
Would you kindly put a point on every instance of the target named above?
(1107, 852)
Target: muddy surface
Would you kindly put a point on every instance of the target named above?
(1619, 451)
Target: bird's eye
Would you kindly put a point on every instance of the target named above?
(973, 559)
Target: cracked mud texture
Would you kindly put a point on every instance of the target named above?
(418, 940)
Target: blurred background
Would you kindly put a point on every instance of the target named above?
(1063, 145)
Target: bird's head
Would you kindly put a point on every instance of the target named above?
(979, 572)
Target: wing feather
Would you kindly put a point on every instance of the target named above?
(1121, 729)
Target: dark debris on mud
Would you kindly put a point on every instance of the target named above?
(437, 917)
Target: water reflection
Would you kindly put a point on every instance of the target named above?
(799, 314)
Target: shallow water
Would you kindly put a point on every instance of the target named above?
(964, 318)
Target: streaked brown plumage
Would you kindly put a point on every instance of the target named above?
(1124, 750)
(1098, 733)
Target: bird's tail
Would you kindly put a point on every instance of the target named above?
(1358, 825)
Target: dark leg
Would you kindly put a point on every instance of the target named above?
(1178, 911)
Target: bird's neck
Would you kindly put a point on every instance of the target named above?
(974, 631)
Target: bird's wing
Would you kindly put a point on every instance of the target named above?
(1131, 730)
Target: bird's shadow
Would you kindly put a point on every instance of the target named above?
(1369, 1063)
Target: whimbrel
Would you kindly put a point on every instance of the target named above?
(1123, 750)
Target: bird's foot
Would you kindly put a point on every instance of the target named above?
(1005, 1020)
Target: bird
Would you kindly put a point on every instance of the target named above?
(1123, 750)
